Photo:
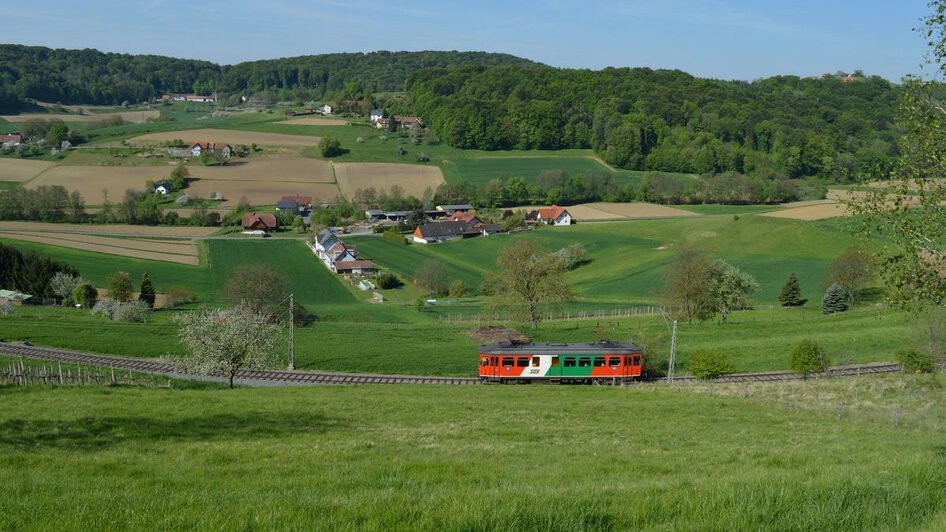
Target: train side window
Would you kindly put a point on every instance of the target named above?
(584, 362)
(614, 361)
(484, 361)
(599, 362)
(494, 361)
(535, 362)
(554, 362)
(637, 360)
(507, 361)
(522, 362)
(569, 362)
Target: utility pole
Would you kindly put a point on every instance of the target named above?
(673, 352)
(292, 354)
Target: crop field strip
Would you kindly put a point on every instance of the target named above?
(134, 117)
(228, 136)
(413, 179)
(182, 253)
(314, 121)
(146, 231)
(810, 213)
(22, 170)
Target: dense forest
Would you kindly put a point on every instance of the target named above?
(93, 77)
(669, 121)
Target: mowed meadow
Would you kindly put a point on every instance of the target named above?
(440, 458)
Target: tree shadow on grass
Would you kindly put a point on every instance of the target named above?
(100, 432)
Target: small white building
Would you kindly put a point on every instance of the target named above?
(325, 109)
(162, 188)
(376, 115)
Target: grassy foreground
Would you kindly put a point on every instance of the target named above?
(436, 458)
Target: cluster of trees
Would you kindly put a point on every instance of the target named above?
(669, 121)
(30, 273)
(845, 281)
(92, 77)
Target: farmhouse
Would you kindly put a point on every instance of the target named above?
(198, 148)
(553, 215)
(304, 202)
(163, 188)
(450, 209)
(432, 232)
(325, 109)
(11, 140)
(16, 298)
(287, 205)
(468, 218)
(376, 115)
(256, 224)
(196, 98)
(338, 256)
(354, 266)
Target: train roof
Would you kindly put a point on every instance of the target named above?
(596, 348)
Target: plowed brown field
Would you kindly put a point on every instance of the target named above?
(227, 136)
(22, 170)
(295, 169)
(91, 180)
(412, 178)
(810, 212)
(109, 229)
(589, 212)
(169, 251)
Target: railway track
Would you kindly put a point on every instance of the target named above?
(307, 378)
(248, 377)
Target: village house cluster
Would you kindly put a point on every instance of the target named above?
(338, 256)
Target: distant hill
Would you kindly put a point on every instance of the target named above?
(93, 77)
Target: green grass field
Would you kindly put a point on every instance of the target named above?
(439, 458)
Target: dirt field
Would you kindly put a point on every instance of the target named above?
(262, 192)
(412, 178)
(22, 170)
(291, 169)
(818, 211)
(228, 136)
(182, 252)
(91, 180)
(315, 121)
(623, 211)
(134, 117)
(109, 229)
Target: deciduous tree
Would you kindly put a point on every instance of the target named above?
(223, 342)
(118, 286)
(527, 279)
(852, 271)
(259, 288)
(432, 277)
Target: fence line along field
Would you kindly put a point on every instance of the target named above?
(134, 117)
(22, 170)
(228, 136)
(314, 121)
(162, 250)
(589, 212)
(145, 231)
(413, 179)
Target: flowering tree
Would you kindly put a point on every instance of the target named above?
(222, 342)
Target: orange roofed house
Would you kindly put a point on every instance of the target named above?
(256, 223)
(553, 215)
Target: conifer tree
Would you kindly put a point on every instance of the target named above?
(146, 292)
(834, 300)
(790, 295)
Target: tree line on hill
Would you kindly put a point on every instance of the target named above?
(92, 77)
(670, 121)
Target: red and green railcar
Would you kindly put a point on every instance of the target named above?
(604, 362)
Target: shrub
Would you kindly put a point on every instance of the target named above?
(458, 289)
(330, 146)
(808, 357)
(6, 307)
(387, 281)
(105, 307)
(118, 285)
(133, 311)
(914, 361)
(178, 295)
(85, 294)
(709, 364)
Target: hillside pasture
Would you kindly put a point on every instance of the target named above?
(22, 170)
(413, 179)
(181, 252)
(133, 117)
(314, 121)
(589, 212)
(227, 136)
(90, 181)
(146, 231)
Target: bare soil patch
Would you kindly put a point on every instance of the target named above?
(810, 212)
(412, 178)
(284, 169)
(109, 229)
(314, 121)
(261, 192)
(493, 333)
(134, 117)
(22, 170)
(624, 211)
(90, 181)
(182, 253)
(228, 136)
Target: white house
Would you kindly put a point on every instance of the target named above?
(376, 115)
(325, 109)
(553, 215)
(162, 188)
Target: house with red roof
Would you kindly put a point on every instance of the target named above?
(553, 215)
(256, 223)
